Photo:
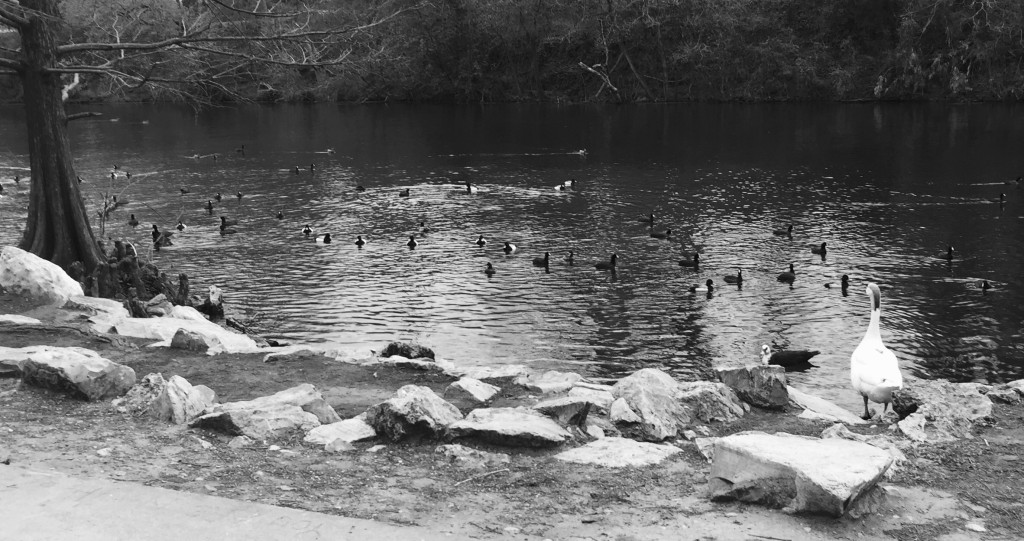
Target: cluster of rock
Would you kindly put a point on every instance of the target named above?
(641, 419)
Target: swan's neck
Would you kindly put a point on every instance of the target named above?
(873, 327)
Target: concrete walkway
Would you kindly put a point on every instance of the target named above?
(47, 506)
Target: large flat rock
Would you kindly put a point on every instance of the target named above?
(28, 275)
(618, 453)
(510, 426)
(414, 410)
(820, 409)
(799, 473)
(348, 430)
(79, 372)
(299, 408)
(163, 329)
(652, 396)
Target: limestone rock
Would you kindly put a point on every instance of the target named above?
(339, 446)
(79, 372)
(618, 453)
(140, 397)
(267, 422)
(208, 394)
(409, 351)
(423, 363)
(221, 340)
(159, 306)
(706, 447)
(652, 395)
(757, 385)
(599, 395)
(192, 341)
(496, 375)
(468, 457)
(799, 473)
(179, 402)
(949, 409)
(839, 430)
(1008, 393)
(711, 401)
(414, 410)
(620, 412)
(468, 393)
(291, 353)
(821, 409)
(28, 275)
(567, 410)
(296, 408)
(510, 426)
(15, 319)
(548, 382)
(104, 314)
(350, 430)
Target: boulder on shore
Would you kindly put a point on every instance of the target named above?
(939, 410)
(799, 473)
(348, 430)
(549, 382)
(179, 402)
(618, 453)
(651, 395)
(468, 393)
(409, 351)
(709, 401)
(819, 409)
(414, 410)
(28, 275)
(516, 427)
(757, 385)
(79, 372)
(298, 408)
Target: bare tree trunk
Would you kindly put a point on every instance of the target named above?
(58, 225)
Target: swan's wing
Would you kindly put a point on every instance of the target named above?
(876, 365)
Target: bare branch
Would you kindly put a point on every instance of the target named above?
(257, 13)
(253, 58)
(10, 16)
(180, 40)
(86, 114)
(10, 64)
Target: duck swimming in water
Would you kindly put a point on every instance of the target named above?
(180, 226)
(481, 241)
(788, 359)
(874, 369)
(737, 279)
(412, 242)
(359, 241)
(789, 276)
(542, 261)
(489, 270)
(509, 248)
(307, 230)
(708, 287)
(132, 221)
(608, 265)
(788, 232)
(324, 239)
(691, 263)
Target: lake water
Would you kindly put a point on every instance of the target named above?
(887, 186)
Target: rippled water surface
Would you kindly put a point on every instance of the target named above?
(888, 187)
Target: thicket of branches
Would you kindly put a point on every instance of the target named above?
(580, 50)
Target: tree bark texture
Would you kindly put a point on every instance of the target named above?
(58, 224)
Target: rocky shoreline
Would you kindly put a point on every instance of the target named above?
(697, 448)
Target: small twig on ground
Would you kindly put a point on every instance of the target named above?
(768, 537)
(481, 476)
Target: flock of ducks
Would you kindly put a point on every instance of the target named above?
(874, 368)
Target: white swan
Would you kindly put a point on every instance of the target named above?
(874, 370)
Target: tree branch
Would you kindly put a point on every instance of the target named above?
(86, 114)
(10, 64)
(11, 17)
(257, 13)
(180, 40)
(253, 58)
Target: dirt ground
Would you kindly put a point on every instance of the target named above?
(941, 489)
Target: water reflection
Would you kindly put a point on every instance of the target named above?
(885, 188)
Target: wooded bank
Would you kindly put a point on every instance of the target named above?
(605, 50)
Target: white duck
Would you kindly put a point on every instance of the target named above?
(874, 370)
